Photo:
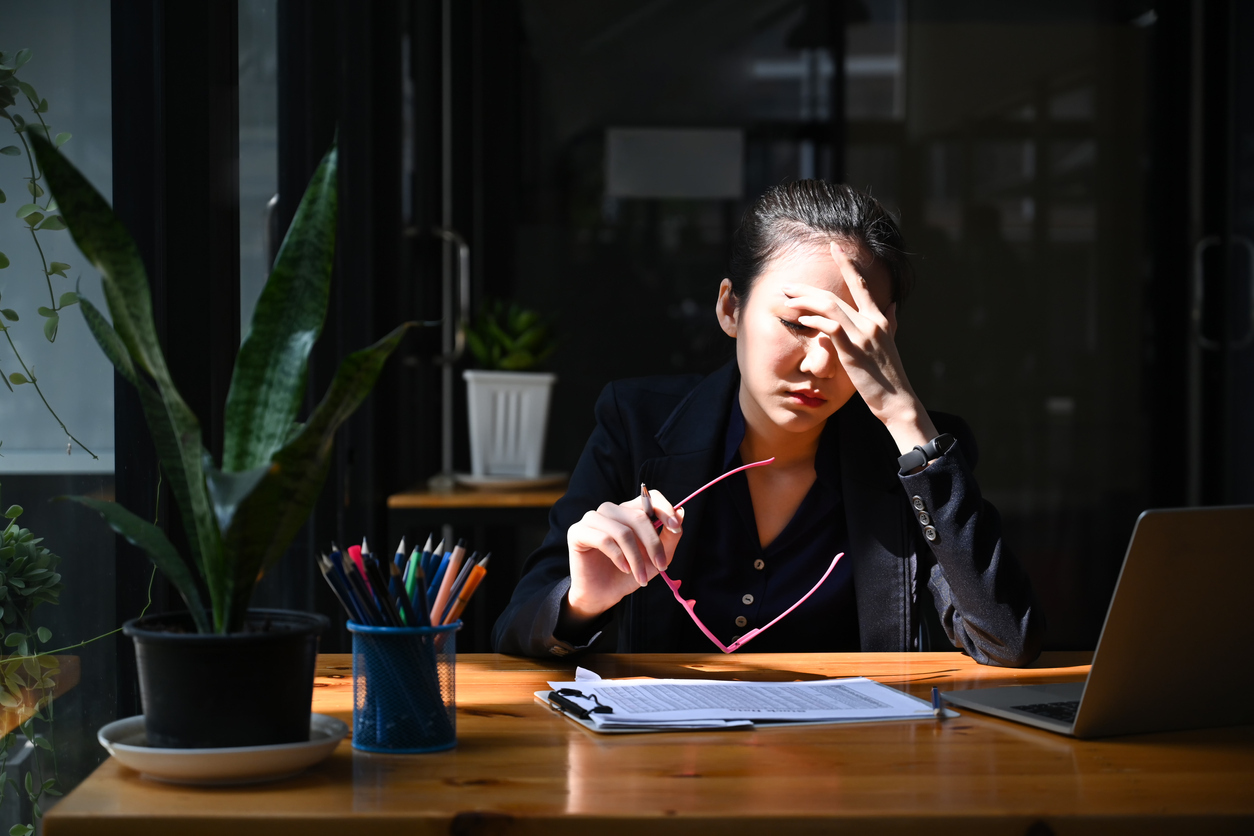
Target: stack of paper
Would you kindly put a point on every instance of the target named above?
(685, 704)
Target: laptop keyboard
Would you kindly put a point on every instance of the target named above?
(1064, 710)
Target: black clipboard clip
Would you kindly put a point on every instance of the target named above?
(574, 709)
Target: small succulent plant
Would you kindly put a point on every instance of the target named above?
(509, 338)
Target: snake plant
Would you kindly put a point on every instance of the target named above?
(242, 514)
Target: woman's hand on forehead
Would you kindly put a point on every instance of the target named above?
(862, 334)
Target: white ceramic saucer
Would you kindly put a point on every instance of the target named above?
(125, 739)
(550, 479)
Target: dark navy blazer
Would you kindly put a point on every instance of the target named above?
(669, 432)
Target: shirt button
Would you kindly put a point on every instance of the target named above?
(917, 502)
(741, 621)
(759, 564)
(929, 533)
(924, 519)
(746, 600)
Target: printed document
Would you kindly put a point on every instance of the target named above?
(706, 703)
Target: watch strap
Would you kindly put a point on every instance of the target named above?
(922, 454)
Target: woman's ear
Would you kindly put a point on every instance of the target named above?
(726, 309)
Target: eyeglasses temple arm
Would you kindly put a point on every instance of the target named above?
(712, 482)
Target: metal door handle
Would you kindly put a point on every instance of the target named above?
(1199, 292)
(463, 292)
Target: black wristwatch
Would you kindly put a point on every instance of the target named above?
(920, 456)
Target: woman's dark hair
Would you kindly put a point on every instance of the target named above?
(815, 211)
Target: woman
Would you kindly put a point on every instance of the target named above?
(860, 468)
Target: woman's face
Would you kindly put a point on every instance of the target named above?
(792, 375)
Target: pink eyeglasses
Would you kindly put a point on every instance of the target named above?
(690, 604)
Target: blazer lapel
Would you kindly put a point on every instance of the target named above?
(691, 444)
(884, 566)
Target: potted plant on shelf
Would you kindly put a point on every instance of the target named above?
(508, 403)
(239, 516)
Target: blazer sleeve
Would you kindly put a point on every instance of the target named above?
(982, 594)
(602, 474)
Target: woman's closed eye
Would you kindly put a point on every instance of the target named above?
(795, 327)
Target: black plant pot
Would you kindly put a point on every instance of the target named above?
(207, 691)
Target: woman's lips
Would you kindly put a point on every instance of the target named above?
(811, 399)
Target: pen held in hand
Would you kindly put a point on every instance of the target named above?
(671, 524)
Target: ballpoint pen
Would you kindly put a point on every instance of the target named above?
(937, 709)
(671, 524)
(648, 506)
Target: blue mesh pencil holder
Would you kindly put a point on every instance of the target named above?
(404, 688)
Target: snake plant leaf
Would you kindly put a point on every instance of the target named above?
(159, 550)
(268, 518)
(109, 342)
(268, 384)
(108, 246)
(176, 431)
(228, 490)
(163, 434)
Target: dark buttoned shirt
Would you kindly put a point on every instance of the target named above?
(739, 585)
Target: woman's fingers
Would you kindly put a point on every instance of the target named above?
(665, 512)
(670, 538)
(596, 533)
(857, 284)
(624, 530)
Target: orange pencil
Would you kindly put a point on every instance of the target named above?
(468, 589)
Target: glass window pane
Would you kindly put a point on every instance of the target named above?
(69, 67)
(258, 149)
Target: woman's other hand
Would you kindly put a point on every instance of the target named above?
(615, 550)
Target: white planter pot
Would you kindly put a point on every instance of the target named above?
(509, 413)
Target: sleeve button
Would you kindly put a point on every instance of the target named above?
(930, 533)
(924, 519)
(917, 502)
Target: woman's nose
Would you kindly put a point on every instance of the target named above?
(820, 359)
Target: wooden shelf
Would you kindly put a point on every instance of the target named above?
(467, 498)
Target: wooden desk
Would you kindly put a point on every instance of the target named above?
(519, 768)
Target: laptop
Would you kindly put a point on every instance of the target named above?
(1175, 651)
